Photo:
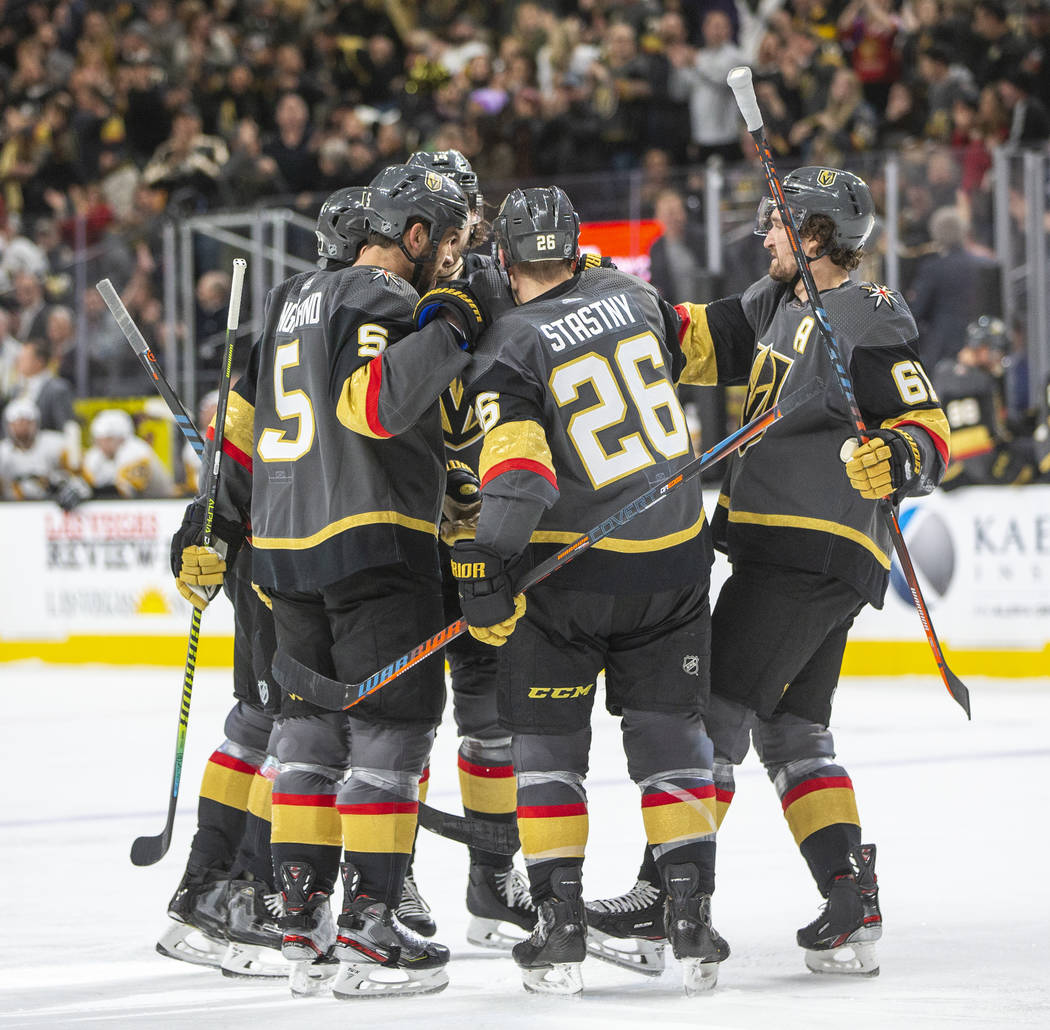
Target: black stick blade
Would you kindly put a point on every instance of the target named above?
(486, 834)
(957, 689)
(150, 850)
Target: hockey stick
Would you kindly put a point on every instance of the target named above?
(487, 834)
(739, 80)
(336, 696)
(149, 363)
(148, 850)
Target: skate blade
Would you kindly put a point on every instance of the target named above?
(307, 979)
(489, 933)
(562, 978)
(634, 953)
(853, 959)
(698, 976)
(253, 962)
(374, 981)
(186, 943)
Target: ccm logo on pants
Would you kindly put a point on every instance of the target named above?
(560, 693)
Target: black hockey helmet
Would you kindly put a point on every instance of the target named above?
(453, 164)
(988, 331)
(341, 226)
(405, 194)
(537, 224)
(842, 196)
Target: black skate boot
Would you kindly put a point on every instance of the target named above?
(413, 911)
(198, 908)
(308, 930)
(687, 920)
(550, 959)
(628, 930)
(378, 957)
(842, 938)
(497, 896)
(255, 936)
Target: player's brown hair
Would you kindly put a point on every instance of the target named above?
(821, 228)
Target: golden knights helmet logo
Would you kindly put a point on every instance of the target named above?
(433, 182)
(769, 372)
(827, 177)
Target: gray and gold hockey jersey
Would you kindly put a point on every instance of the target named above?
(580, 411)
(786, 499)
(338, 423)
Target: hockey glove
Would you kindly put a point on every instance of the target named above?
(71, 492)
(486, 592)
(588, 261)
(470, 305)
(462, 503)
(889, 461)
(199, 570)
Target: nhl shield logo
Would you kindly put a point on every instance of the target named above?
(433, 182)
(826, 177)
(691, 665)
(264, 691)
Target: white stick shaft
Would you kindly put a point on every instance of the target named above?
(739, 80)
(120, 313)
(234, 318)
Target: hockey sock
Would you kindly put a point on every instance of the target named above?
(488, 790)
(647, 870)
(821, 812)
(725, 789)
(306, 824)
(223, 802)
(253, 853)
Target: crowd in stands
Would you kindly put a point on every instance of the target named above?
(115, 114)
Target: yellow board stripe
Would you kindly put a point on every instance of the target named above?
(611, 543)
(365, 518)
(754, 518)
(863, 657)
(391, 833)
(821, 808)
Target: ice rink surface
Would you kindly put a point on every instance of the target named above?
(959, 812)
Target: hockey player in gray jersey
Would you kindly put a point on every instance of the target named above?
(580, 416)
(347, 482)
(807, 545)
(498, 898)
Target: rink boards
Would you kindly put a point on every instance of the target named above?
(94, 586)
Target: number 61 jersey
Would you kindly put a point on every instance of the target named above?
(580, 411)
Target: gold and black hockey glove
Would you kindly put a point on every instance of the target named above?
(199, 570)
(889, 461)
(462, 503)
(470, 305)
(486, 592)
(587, 261)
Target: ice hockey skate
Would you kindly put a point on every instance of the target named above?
(628, 930)
(550, 959)
(198, 908)
(842, 938)
(379, 958)
(308, 930)
(496, 899)
(413, 911)
(687, 920)
(255, 938)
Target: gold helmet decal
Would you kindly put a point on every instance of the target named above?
(827, 177)
(433, 182)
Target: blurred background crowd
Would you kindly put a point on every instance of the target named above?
(119, 120)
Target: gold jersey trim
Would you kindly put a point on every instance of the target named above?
(511, 441)
(698, 346)
(365, 518)
(240, 422)
(754, 518)
(660, 543)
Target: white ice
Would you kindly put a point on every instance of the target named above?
(959, 812)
